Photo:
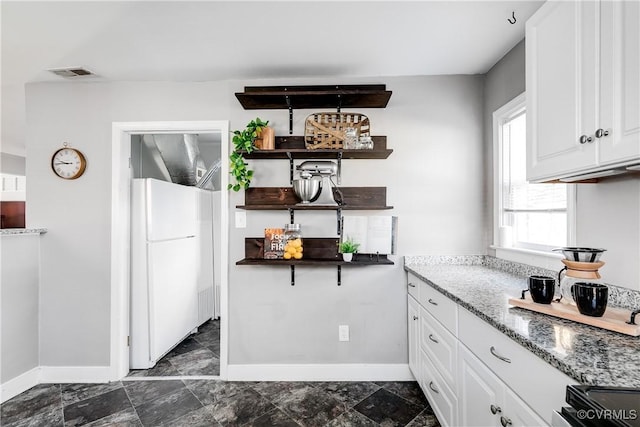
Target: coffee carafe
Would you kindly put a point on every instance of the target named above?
(575, 271)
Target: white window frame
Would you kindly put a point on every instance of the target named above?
(544, 259)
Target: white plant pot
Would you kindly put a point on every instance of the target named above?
(347, 257)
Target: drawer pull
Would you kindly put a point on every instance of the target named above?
(432, 302)
(504, 359)
(411, 285)
(601, 132)
(495, 409)
(505, 421)
(585, 139)
(415, 317)
(433, 339)
(433, 388)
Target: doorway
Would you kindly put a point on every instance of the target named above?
(122, 174)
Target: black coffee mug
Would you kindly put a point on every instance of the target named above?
(541, 289)
(591, 298)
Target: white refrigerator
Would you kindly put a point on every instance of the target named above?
(165, 268)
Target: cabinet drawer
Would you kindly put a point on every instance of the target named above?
(440, 346)
(413, 285)
(443, 401)
(440, 307)
(513, 364)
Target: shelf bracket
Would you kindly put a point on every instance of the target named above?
(339, 100)
(339, 168)
(291, 215)
(293, 275)
(339, 275)
(291, 167)
(290, 114)
(339, 220)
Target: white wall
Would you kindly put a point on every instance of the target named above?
(434, 179)
(20, 258)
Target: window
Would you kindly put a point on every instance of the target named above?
(529, 216)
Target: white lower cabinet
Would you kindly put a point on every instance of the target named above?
(471, 373)
(484, 400)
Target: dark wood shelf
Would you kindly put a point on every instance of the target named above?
(293, 147)
(283, 198)
(323, 96)
(316, 262)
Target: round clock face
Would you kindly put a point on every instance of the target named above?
(68, 163)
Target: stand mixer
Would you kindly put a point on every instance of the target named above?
(325, 170)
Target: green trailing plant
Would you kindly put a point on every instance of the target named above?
(348, 246)
(243, 143)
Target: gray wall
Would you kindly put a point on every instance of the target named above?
(434, 180)
(19, 310)
(503, 82)
(608, 213)
(12, 164)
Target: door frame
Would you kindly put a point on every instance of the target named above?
(121, 232)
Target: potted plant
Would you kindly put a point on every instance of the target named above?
(347, 248)
(243, 141)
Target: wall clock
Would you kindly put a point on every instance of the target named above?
(68, 163)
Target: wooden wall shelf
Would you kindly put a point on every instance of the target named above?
(317, 252)
(300, 97)
(293, 147)
(283, 198)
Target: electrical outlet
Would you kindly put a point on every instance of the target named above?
(241, 219)
(343, 333)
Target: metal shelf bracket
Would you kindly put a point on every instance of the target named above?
(291, 215)
(291, 167)
(290, 113)
(339, 220)
(339, 275)
(340, 168)
(293, 275)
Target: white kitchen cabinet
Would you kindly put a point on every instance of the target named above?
(441, 397)
(583, 91)
(484, 400)
(413, 319)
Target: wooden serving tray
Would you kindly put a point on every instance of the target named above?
(614, 319)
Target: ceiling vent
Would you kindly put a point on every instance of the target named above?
(72, 72)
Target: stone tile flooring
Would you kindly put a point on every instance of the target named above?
(198, 354)
(180, 403)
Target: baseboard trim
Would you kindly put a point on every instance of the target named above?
(75, 374)
(19, 384)
(324, 372)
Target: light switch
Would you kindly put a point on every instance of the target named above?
(241, 219)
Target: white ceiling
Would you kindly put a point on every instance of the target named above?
(218, 40)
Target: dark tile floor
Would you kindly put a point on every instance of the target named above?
(218, 403)
(198, 354)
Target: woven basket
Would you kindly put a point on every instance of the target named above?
(326, 130)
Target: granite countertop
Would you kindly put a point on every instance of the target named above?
(483, 286)
(17, 231)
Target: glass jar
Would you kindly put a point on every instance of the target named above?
(365, 143)
(292, 241)
(350, 138)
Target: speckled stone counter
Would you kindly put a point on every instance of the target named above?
(18, 231)
(483, 285)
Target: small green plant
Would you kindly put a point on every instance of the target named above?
(243, 143)
(348, 246)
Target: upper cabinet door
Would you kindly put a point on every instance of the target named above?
(620, 92)
(562, 49)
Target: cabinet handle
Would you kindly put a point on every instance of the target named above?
(601, 132)
(495, 409)
(415, 317)
(505, 421)
(411, 285)
(433, 339)
(433, 388)
(584, 139)
(504, 359)
(432, 302)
